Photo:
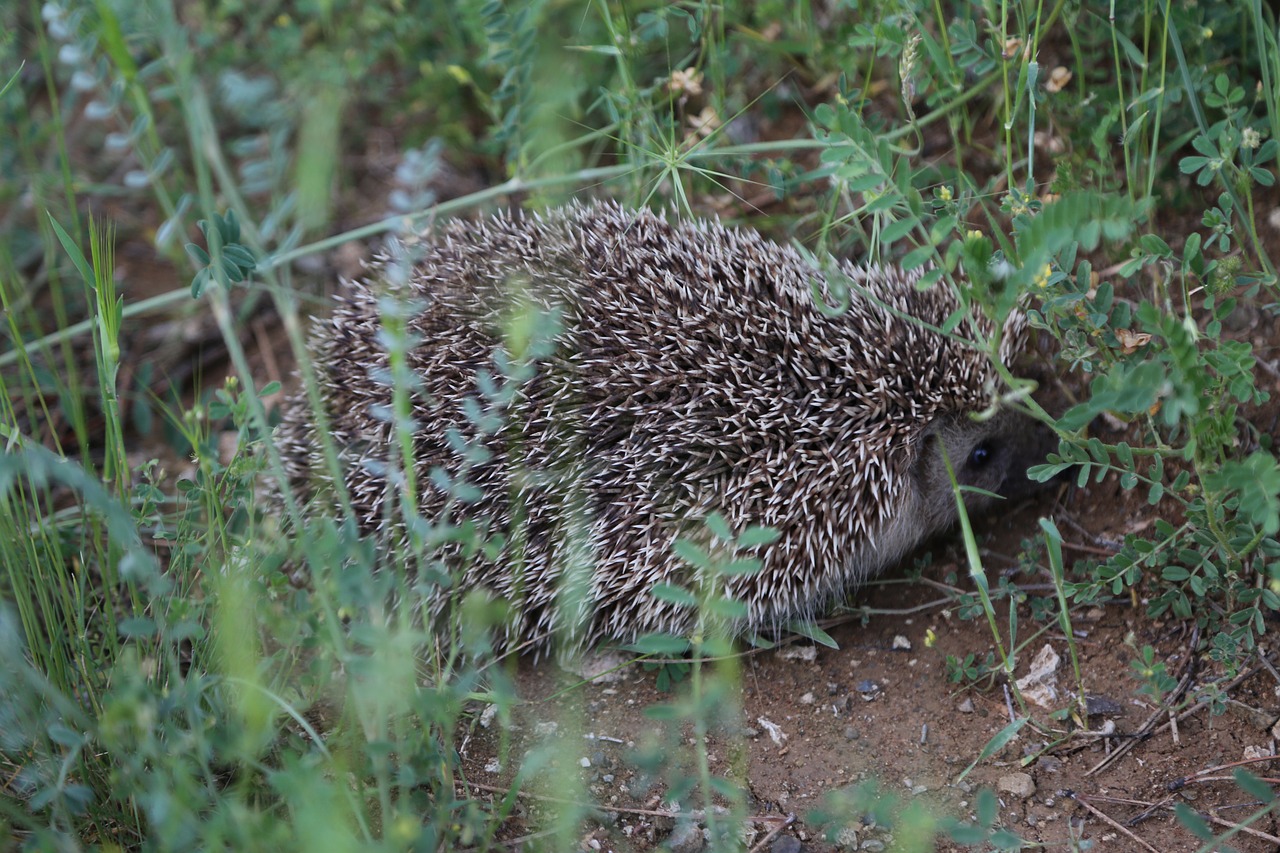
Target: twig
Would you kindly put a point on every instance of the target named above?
(777, 827)
(1116, 826)
(1145, 730)
(782, 820)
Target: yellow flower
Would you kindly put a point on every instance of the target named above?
(1042, 280)
(944, 193)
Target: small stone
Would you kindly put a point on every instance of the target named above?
(686, 838)
(776, 734)
(966, 707)
(847, 838)
(1102, 706)
(1039, 685)
(1049, 764)
(600, 667)
(807, 699)
(850, 733)
(785, 844)
(1019, 785)
(901, 643)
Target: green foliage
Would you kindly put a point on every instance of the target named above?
(234, 261)
(1156, 681)
(167, 687)
(970, 670)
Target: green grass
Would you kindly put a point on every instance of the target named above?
(165, 685)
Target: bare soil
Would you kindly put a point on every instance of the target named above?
(882, 707)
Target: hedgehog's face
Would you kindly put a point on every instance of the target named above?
(991, 455)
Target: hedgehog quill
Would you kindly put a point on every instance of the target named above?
(691, 372)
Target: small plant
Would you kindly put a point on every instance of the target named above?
(1156, 681)
(970, 670)
(235, 262)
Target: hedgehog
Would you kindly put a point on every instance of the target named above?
(672, 370)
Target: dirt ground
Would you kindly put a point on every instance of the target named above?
(815, 720)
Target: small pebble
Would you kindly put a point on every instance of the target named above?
(1019, 785)
(785, 844)
(686, 838)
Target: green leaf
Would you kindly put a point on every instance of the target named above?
(725, 788)
(72, 250)
(137, 626)
(1192, 822)
(917, 257)
(664, 711)
(719, 527)
(1257, 481)
(1045, 473)
(113, 41)
(662, 645)
(240, 256)
(987, 807)
(1206, 147)
(806, 628)
(729, 609)
(997, 743)
(741, 566)
(64, 735)
(673, 594)
(757, 535)
(691, 553)
(895, 231)
(198, 254)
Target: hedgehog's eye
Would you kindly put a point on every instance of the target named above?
(981, 455)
